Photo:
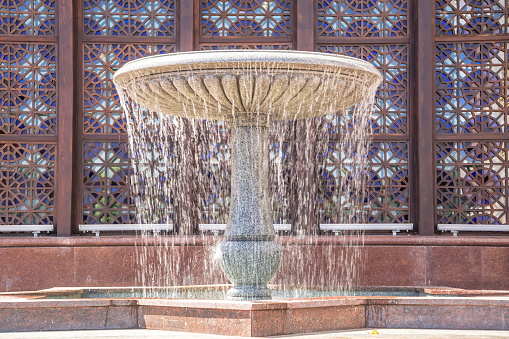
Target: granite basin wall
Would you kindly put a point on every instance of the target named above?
(462, 262)
(444, 313)
(255, 319)
(61, 315)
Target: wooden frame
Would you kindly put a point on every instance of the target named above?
(424, 186)
(65, 197)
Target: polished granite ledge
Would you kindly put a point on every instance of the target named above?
(469, 263)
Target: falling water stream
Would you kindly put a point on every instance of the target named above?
(181, 173)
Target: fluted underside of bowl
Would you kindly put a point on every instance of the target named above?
(237, 84)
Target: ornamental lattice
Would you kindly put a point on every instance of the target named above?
(387, 187)
(101, 106)
(472, 182)
(27, 183)
(362, 18)
(269, 46)
(471, 87)
(27, 17)
(106, 194)
(245, 18)
(387, 191)
(388, 182)
(472, 17)
(391, 105)
(215, 188)
(28, 89)
(129, 18)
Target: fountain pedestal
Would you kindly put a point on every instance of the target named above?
(250, 257)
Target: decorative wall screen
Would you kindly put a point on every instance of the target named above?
(245, 18)
(27, 183)
(472, 17)
(150, 26)
(342, 27)
(472, 111)
(129, 18)
(470, 87)
(362, 18)
(246, 24)
(28, 111)
(28, 18)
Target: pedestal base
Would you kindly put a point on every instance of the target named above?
(250, 265)
(249, 293)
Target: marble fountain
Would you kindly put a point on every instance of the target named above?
(250, 90)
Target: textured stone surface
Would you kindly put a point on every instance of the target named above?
(35, 268)
(250, 257)
(321, 319)
(444, 313)
(200, 320)
(455, 266)
(495, 263)
(215, 85)
(256, 318)
(67, 315)
(34, 263)
(250, 216)
(90, 266)
(385, 333)
(250, 265)
(396, 266)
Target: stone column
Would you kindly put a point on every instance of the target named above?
(249, 256)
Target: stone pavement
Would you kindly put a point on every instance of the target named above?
(347, 334)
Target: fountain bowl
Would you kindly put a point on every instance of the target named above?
(218, 85)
